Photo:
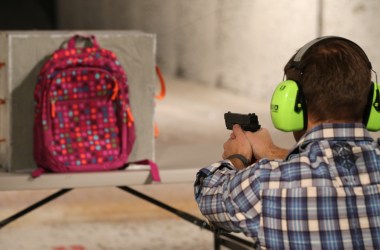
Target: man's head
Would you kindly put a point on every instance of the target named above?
(335, 77)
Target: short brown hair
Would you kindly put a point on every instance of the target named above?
(335, 76)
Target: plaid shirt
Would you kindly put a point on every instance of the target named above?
(325, 195)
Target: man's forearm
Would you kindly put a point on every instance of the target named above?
(276, 153)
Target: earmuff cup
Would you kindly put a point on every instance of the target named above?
(287, 107)
(372, 113)
(288, 111)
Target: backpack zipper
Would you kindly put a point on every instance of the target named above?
(52, 108)
(115, 90)
(53, 103)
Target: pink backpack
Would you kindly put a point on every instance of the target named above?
(83, 120)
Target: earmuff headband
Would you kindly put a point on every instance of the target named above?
(298, 57)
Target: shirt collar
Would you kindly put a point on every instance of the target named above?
(334, 131)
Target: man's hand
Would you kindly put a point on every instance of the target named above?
(238, 143)
(263, 146)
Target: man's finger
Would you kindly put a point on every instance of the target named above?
(232, 136)
(238, 131)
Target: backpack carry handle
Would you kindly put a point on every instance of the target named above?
(73, 42)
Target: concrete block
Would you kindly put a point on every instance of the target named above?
(25, 52)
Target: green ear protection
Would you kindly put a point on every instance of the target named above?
(372, 114)
(288, 110)
(288, 105)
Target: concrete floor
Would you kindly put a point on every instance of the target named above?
(192, 133)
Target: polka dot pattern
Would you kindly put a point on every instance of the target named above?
(82, 115)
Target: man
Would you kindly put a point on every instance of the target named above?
(323, 193)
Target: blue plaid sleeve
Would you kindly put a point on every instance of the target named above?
(229, 198)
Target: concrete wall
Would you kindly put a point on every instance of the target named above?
(356, 20)
(27, 15)
(241, 45)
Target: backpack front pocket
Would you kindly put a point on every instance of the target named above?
(85, 132)
(84, 119)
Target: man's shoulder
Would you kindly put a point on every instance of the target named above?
(277, 164)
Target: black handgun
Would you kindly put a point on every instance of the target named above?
(248, 122)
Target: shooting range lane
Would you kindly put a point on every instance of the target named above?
(192, 132)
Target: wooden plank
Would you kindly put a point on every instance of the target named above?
(135, 175)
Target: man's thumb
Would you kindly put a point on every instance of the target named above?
(238, 131)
